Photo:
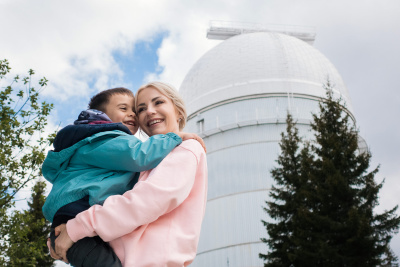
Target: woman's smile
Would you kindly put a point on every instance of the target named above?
(154, 122)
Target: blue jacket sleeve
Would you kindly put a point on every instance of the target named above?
(127, 153)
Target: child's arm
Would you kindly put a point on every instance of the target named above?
(127, 153)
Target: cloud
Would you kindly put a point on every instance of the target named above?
(72, 42)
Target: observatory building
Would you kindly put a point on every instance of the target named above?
(238, 95)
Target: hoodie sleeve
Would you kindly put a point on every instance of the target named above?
(127, 153)
(166, 187)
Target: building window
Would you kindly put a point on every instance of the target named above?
(200, 126)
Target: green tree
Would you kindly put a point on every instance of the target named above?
(289, 196)
(325, 196)
(28, 231)
(22, 141)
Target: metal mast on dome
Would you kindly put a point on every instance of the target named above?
(222, 30)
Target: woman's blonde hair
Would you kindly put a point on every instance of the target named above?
(170, 92)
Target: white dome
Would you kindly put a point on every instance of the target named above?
(257, 64)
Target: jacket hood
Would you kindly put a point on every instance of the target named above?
(89, 122)
(72, 134)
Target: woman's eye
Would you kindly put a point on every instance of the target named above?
(159, 102)
(139, 110)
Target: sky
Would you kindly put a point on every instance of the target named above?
(83, 47)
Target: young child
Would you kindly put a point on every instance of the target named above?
(97, 157)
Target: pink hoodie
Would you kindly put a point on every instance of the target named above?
(158, 222)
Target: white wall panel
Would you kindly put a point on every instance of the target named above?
(234, 219)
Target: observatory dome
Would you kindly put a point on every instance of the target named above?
(238, 96)
(259, 64)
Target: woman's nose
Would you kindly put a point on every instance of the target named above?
(150, 110)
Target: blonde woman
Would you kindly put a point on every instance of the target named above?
(158, 222)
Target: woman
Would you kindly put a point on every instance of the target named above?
(158, 222)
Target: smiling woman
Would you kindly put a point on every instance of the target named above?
(158, 222)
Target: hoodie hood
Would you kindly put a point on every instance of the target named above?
(89, 122)
(90, 116)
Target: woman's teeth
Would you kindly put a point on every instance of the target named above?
(154, 121)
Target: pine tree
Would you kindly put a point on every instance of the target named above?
(288, 198)
(28, 233)
(332, 222)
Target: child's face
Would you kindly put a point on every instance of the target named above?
(120, 109)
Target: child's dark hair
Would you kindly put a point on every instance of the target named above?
(101, 100)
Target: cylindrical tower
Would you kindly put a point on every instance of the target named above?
(237, 96)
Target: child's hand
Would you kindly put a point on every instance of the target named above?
(187, 136)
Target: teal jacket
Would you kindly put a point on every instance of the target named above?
(104, 164)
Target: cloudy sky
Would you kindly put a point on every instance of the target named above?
(83, 47)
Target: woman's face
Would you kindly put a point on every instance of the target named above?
(156, 113)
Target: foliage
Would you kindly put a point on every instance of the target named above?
(323, 204)
(22, 141)
(291, 194)
(28, 232)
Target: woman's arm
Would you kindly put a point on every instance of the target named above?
(166, 188)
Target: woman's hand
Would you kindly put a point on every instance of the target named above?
(53, 254)
(63, 243)
(187, 136)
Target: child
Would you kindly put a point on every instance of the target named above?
(97, 157)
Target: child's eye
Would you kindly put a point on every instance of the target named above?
(123, 108)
